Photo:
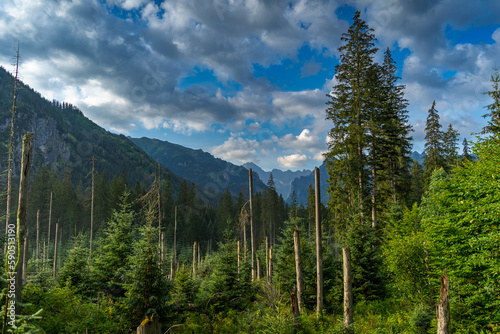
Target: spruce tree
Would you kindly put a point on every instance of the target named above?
(146, 287)
(395, 145)
(493, 126)
(434, 147)
(362, 104)
(450, 143)
(271, 214)
(466, 150)
(350, 109)
(417, 184)
(116, 246)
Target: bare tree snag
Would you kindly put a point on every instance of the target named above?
(194, 260)
(11, 149)
(443, 307)
(267, 260)
(162, 249)
(239, 255)
(25, 256)
(252, 241)
(54, 267)
(159, 204)
(319, 252)
(298, 269)
(38, 235)
(50, 222)
(270, 271)
(92, 208)
(374, 196)
(174, 254)
(295, 308)
(258, 268)
(347, 287)
(150, 325)
(22, 208)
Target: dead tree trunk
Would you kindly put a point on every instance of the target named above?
(162, 250)
(92, 209)
(319, 252)
(298, 269)
(150, 325)
(38, 235)
(50, 222)
(374, 197)
(194, 260)
(267, 259)
(295, 308)
(347, 287)
(443, 307)
(54, 267)
(22, 208)
(60, 245)
(258, 268)
(270, 271)
(174, 254)
(159, 204)
(239, 255)
(25, 257)
(252, 241)
(11, 150)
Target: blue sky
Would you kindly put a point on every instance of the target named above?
(246, 80)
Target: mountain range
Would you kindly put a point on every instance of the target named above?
(199, 167)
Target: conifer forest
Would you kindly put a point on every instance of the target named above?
(107, 244)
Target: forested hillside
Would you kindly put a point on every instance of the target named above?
(199, 167)
(400, 246)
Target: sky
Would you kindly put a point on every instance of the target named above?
(247, 80)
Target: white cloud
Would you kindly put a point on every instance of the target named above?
(293, 161)
(304, 141)
(237, 150)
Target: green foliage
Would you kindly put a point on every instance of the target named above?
(417, 183)
(224, 288)
(434, 147)
(111, 260)
(146, 286)
(22, 322)
(493, 126)
(368, 274)
(75, 271)
(460, 216)
(404, 256)
(64, 311)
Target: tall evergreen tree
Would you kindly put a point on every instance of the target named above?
(493, 126)
(146, 288)
(450, 143)
(434, 147)
(395, 146)
(466, 150)
(271, 211)
(417, 184)
(111, 260)
(350, 109)
(225, 214)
